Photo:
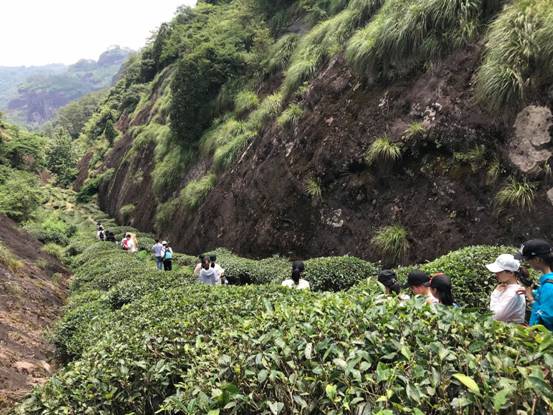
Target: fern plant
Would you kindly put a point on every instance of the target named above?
(382, 149)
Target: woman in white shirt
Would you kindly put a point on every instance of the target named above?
(207, 274)
(506, 303)
(297, 281)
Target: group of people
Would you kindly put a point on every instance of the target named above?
(103, 234)
(509, 298)
(163, 254)
(435, 288)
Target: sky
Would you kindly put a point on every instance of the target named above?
(38, 32)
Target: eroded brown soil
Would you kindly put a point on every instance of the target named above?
(31, 295)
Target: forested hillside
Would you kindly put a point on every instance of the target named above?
(388, 129)
(31, 96)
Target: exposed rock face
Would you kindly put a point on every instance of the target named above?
(550, 195)
(439, 190)
(529, 149)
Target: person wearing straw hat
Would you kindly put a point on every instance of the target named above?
(506, 302)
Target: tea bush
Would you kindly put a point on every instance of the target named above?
(138, 285)
(240, 271)
(143, 341)
(263, 349)
(185, 260)
(76, 331)
(337, 273)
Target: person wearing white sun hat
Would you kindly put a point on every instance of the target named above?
(506, 302)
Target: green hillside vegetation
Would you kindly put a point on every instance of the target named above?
(136, 340)
(21, 158)
(198, 91)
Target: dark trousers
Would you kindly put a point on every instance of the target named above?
(168, 264)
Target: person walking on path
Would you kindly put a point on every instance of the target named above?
(207, 274)
(134, 246)
(100, 232)
(110, 237)
(506, 302)
(199, 265)
(419, 282)
(157, 249)
(539, 255)
(219, 271)
(127, 243)
(167, 256)
(296, 281)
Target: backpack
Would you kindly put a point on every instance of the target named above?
(126, 244)
(168, 254)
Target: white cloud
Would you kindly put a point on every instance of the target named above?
(37, 32)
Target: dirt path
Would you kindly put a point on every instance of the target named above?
(33, 286)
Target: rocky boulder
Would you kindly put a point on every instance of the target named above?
(530, 146)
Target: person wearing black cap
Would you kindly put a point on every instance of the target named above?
(387, 278)
(539, 255)
(297, 281)
(418, 282)
(440, 287)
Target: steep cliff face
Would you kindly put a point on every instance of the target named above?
(348, 156)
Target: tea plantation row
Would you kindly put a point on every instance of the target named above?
(138, 341)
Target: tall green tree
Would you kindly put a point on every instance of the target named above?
(61, 159)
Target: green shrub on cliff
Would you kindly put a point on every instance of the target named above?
(404, 33)
(92, 185)
(391, 241)
(518, 55)
(196, 190)
(515, 194)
